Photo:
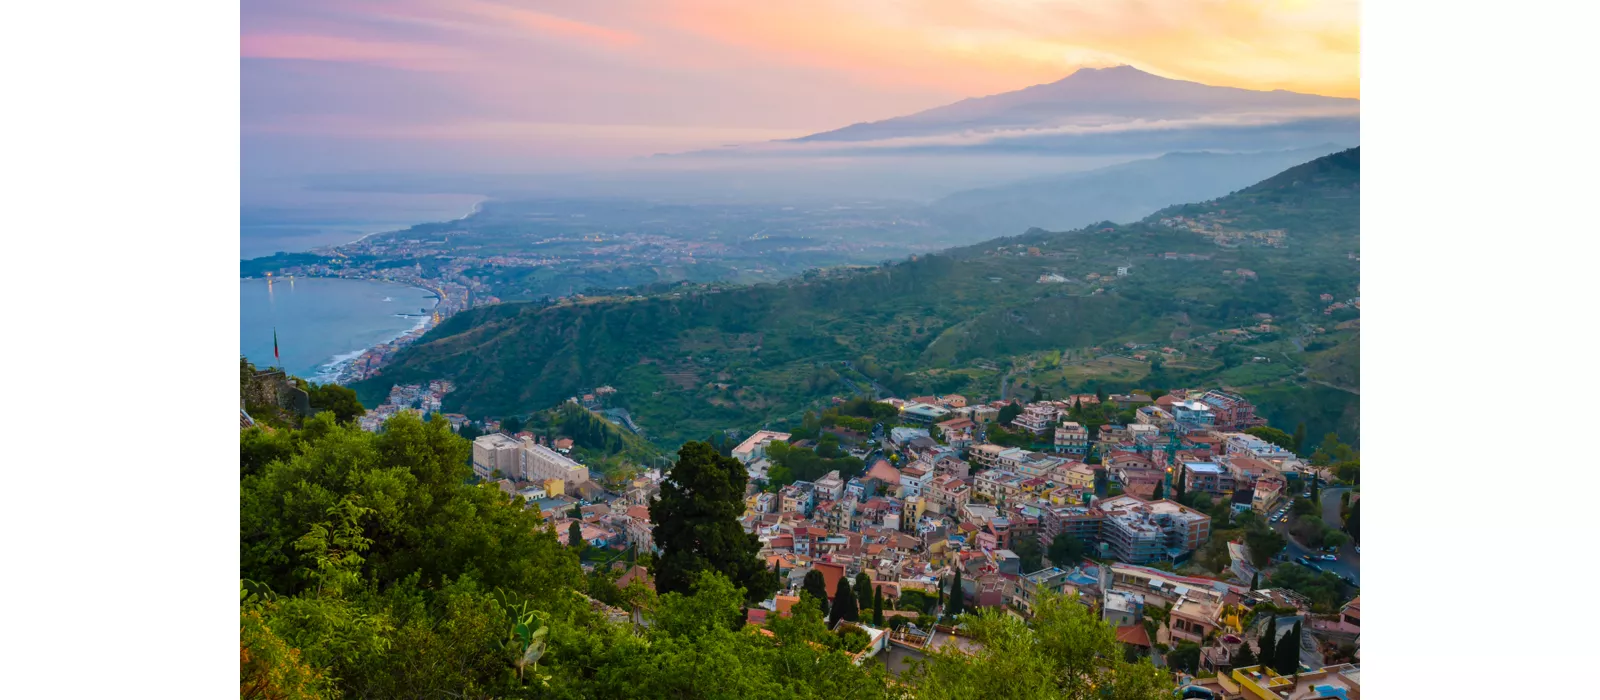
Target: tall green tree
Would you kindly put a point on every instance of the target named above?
(511, 425)
(1268, 642)
(1180, 486)
(1352, 522)
(844, 604)
(1286, 658)
(1243, 657)
(1255, 581)
(957, 603)
(815, 585)
(1299, 439)
(575, 537)
(877, 607)
(863, 590)
(697, 525)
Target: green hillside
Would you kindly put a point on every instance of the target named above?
(692, 359)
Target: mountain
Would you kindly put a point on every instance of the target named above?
(1094, 97)
(1123, 192)
(1041, 309)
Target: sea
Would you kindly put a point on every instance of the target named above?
(322, 323)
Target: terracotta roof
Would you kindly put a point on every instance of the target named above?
(1133, 634)
(831, 573)
(639, 513)
(784, 602)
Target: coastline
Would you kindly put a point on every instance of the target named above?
(335, 368)
(476, 207)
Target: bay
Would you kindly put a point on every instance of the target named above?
(322, 322)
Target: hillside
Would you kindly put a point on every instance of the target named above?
(1123, 193)
(693, 359)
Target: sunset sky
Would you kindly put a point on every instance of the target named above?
(598, 78)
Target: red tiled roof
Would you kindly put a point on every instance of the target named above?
(1133, 634)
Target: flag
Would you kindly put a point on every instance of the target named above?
(275, 345)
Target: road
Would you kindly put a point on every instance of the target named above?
(1349, 563)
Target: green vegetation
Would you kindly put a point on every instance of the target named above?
(1320, 587)
(692, 360)
(791, 464)
(697, 525)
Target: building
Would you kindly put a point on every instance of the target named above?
(1232, 412)
(1036, 418)
(947, 494)
(496, 453)
(1207, 477)
(1192, 417)
(1031, 586)
(1260, 683)
(830, 487)
(755, 446)
(923, 413)
(1073, 439)
(540, 463)
(1139, 531)
(1122, 608)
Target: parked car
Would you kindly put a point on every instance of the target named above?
(1303, 560)
(1330, 557)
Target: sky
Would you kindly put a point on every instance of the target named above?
(463, 85)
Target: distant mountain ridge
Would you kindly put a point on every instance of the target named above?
(1089, 97)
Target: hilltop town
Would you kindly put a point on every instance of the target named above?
(1184, 527)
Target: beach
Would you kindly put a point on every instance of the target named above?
(323, 325)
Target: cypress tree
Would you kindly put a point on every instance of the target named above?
(844, 604)
(877, 607)
(957, 605)
(1299, 437)
(1255, 580)
(1287, 656)
(1180, 488)
(816, 585)
(1243, 658)
(863, 591)
(1269, 641)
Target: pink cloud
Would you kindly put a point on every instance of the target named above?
(312, 47)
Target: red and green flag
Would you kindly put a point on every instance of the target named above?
(275, 345)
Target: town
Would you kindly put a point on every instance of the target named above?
(1217, 553)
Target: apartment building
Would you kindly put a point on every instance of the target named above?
(541, 463)
(1232, 412)
(1030, 587)
(1073, 439)
(1036, 418)
(1139, 531)
(947, 494)
(830, 487)
(496, 453)
(1192, 416)
(1208, 477)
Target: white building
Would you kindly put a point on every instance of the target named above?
(755, 446)
(540, 463)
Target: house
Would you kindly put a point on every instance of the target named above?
(1036, 418)
(1350, 614)
(953, 401)
(923, 413)
(1122, 608)
(755, 446)
(1260, 683)
(1207, 477)
(912, 481)
(1031, 586)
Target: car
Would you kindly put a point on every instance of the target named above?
(1330, 557)
(1303, 560)
(1358, 549)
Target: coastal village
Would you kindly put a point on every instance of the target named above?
(1122, 518)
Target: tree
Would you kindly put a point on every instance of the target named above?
(1066, 550)
(1286, 658)
(511, 425)
(1038, 395)
(815, 585)
(957, 604)
(1026, 547)
(1179, 487)
(714, 605)
(1352, 522)
(697, 525)
(1161, 491)
(877, 607)
(1272, 435)
(1008, 413)
(1244, 657)
(340, 400)
(1185, 658)
(1064, 651)
(1268, 642)
(575, 537)
(1255, 580)
(1102, 482)
(844, 604)
(863, 591)
(1299, 439)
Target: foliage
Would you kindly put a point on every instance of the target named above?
(1066, 550)
(697, 525)
(1286, 656)
(913, 599)
(1320, 587)
(957, 602)
(844, 604)
(1063, 652)
(863, 591)
(1008, 413)
(1352, 522)
(340, 400)
(1274, 436)
(877, 607)
(815, 585)
(791, 464)
(1027, 548)
(1185, 657)
(1331, 451)
(1243, 657)
(270, 668)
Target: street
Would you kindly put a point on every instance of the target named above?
(1349, 563)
